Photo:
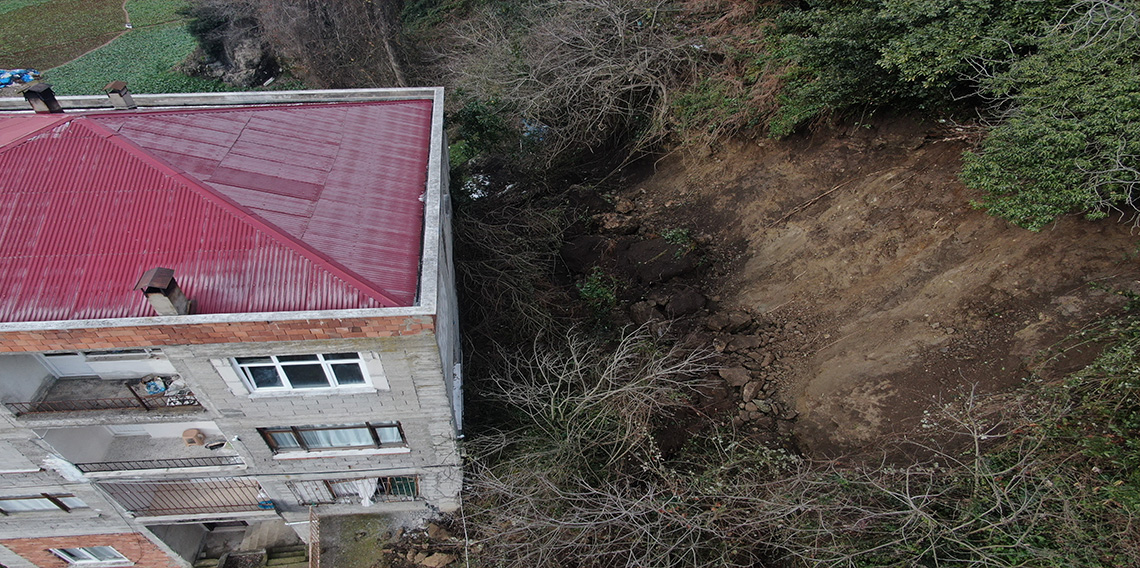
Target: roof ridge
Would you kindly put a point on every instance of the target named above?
(241, 212)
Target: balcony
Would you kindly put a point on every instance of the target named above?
(166, 393)
(216, 495)
(144, 449)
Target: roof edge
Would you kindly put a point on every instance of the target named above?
(214, 318)
(97, 102)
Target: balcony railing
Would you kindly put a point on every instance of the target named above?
(135, 401)
(208, 461)
(188, 496)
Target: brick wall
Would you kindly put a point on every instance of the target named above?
(205, 333)
(134, 546)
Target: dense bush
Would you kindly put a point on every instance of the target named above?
(1070, 138)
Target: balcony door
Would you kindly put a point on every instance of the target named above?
(68, 365)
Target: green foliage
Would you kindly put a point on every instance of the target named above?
(1072, 139)
(941, 40)
(599, 290)
(155, 12)
(711, 104)
(13, 5)
(144, 58)
(42, 35)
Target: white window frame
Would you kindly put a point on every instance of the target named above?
(83, 556)
(296, 433)
(56, 500)
(286, 386)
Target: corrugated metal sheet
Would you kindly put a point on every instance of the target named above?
(268, 209)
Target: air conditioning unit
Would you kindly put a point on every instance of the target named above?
(194, 437)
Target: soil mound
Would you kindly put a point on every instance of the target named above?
(862, 240)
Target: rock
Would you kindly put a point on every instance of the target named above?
(717, 321)
(765, 422)
(736, 376)
(624, 206)
(751, 389)
(753, 365)
(763, 406)
(657, 260)
(643, 312)
(744, 343)
(438, 560)
(738, 321)
(686, 302)
(617, 224)
(657, 296)
(754, 416)
(790, 414)
(719, 344)
(436, 532)
(750, 407)
(767, 359)
(581, 253)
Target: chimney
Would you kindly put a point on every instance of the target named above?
(120, 95)
(163, 293)
(41, 97)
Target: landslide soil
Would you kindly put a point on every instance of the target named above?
(905, 294)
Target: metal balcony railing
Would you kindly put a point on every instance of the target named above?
(171, 463)
(138, 401)
(188, 496)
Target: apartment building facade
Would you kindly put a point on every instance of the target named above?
(221, 310)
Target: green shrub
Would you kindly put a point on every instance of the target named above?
(1072, 138)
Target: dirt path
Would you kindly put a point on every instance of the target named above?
(906, 294)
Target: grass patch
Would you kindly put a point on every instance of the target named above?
(144, 58)
(155, 12)
(13, 5)
(42, 35)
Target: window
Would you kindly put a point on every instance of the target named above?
(327, 491)
(41, 502)
(90, 555)
(284, 372)
(333, 437)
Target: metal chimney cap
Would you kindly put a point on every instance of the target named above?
(115, 86)
(156, 279)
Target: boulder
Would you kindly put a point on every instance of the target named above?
(685, 302)
(438, 560)
(751, 389)
(736, 376)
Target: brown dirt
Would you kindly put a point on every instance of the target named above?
(899, 292)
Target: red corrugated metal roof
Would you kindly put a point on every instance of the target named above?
(256, 209)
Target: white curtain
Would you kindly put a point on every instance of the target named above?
(339, 438)
(366, 488)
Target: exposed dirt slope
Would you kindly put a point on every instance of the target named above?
(906, 294)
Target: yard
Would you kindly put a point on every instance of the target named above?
(62, 38)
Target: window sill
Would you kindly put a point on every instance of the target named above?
(340, 453)
(331, 391)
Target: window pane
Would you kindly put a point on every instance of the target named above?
(348, 437)
(76, 554)
(342, 355)
(73, 502)
(348, 374)
(306, 376)
(247, 360)
(403, 486)
(284, 440)
(389, 435)
(285, 358)
(33, 504)
(264, 377)
(104, 553)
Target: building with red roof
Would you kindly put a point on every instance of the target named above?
(219, 312)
